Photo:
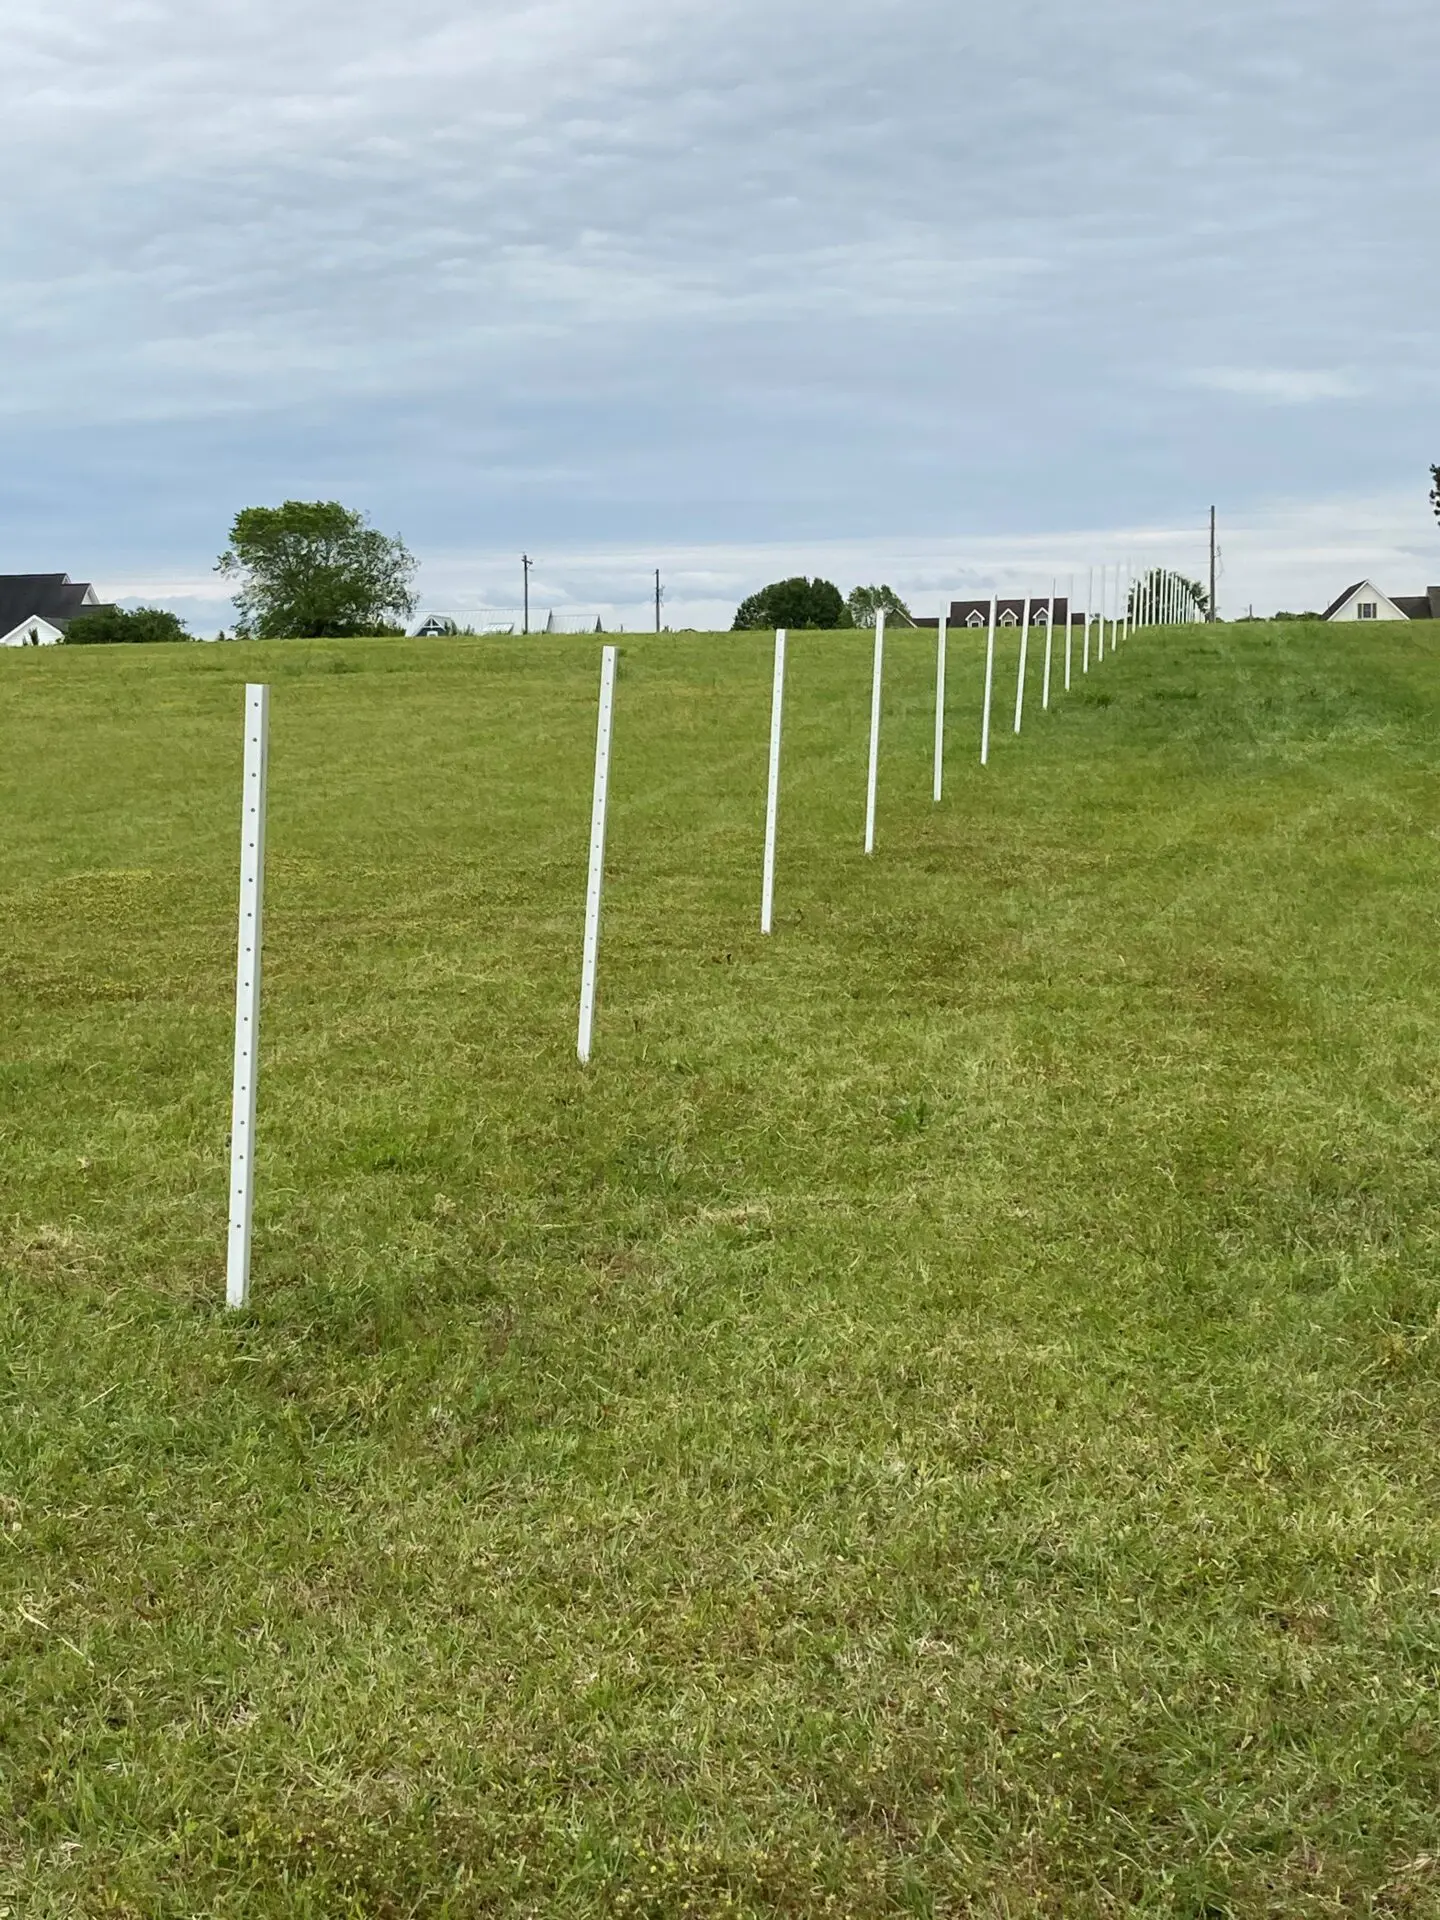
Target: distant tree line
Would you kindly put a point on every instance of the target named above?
(801, 604)
(111, 626)
(313, 568)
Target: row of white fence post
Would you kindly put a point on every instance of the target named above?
(1109, 621)
(252, 850)
(1162, 598)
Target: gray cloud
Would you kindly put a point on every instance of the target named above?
(1286, 386)
(601, 272)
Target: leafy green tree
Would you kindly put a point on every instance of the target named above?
(314, 568)
(793, 604)
(108, 626)
(864, 603)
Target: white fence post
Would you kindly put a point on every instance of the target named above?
(1098, 646)
(1069, 629)
(1089, 609)
(247, 996)
(1024, 663)
(596, 884)
(989, 686)
(1049, 651)
(1122, 600)
(940, 705)
(772, 795)
(873, 781)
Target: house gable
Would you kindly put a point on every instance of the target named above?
(34, 632)
(1364, 601)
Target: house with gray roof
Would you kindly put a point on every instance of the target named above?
(1008, 613)
(1365, 601)
(36, 608)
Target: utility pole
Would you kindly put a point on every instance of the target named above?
(659, 596)
(526, 562)
(1213, 614)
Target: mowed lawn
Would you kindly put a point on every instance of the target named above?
(941, 1418)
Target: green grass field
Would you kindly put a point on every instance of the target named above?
(940, 1419)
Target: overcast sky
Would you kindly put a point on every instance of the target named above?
(931, 289)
